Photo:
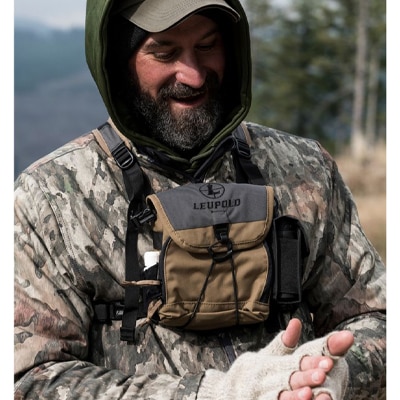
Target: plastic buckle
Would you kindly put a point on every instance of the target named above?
(123, 156)
(117, 311)
(143, 217)
(105, 313)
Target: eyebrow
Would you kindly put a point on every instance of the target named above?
(157, 44)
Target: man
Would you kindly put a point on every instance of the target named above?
(175, 77)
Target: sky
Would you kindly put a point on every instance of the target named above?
(54, 13)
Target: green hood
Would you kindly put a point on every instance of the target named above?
(97, 17)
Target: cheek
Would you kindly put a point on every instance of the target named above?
(150, 77)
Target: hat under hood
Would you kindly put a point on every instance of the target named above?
(102, 16)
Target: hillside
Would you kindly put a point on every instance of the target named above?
(41, 55)
(52, 114)
(55, 97)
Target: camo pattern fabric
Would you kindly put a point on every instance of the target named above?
(70, 221)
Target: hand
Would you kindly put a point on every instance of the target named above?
(283, 370)
(313, 369)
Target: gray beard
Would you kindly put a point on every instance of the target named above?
(192, 129)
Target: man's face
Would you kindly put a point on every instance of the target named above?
(178, 75)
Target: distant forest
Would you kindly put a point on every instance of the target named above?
(319, 70)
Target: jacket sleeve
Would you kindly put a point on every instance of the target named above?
(53, 314)
(350, 290)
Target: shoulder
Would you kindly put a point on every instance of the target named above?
(274, 136)
(77, 170)
(78, 160)
(280, 146)
(84, 147)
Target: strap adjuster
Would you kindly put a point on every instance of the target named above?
(127, 334)
(123, 156)
(105, 313)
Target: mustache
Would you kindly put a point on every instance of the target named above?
(181, 91)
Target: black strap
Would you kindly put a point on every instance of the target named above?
(135, 185)
(105, 313)
(125, 159)
(246, 170)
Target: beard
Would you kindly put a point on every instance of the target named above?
(190, 129)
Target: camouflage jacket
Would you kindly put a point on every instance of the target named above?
(70, 217)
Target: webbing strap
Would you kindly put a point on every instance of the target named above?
(246, 170)
(132, 273)
(134, 183)
(124, 158)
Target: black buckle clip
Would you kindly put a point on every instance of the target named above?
(105, 313)
(143, 217)
(123, 156)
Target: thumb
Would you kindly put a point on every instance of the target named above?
(291, 336)
(340, 342)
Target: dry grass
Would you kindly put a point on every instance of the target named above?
(367, 181)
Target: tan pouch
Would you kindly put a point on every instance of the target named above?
(214, 266)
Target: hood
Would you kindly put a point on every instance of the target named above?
(96, 46)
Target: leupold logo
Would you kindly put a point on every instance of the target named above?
(215, 191)
(212, 190)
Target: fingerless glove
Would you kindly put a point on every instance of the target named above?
(266, 373)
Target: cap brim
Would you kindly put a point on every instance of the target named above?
(160, 15)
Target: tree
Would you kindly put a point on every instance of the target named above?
(358, 139)
(304, 67)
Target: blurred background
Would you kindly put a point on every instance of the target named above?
(319, 71)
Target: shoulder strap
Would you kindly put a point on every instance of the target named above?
(125, 159)
(246, 170)
(135, 185)
(239, 145)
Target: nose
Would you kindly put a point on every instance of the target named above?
(190, 71)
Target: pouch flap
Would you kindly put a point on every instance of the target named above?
(189, 213)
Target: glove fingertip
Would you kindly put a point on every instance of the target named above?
(277, 347)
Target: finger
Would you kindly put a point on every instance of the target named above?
(340, 342)
(311, 377)
(292, 333)
(298, 394)
(311, 362)
(323, 396)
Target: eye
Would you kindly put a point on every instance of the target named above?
(206, 46)
(164, 55)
